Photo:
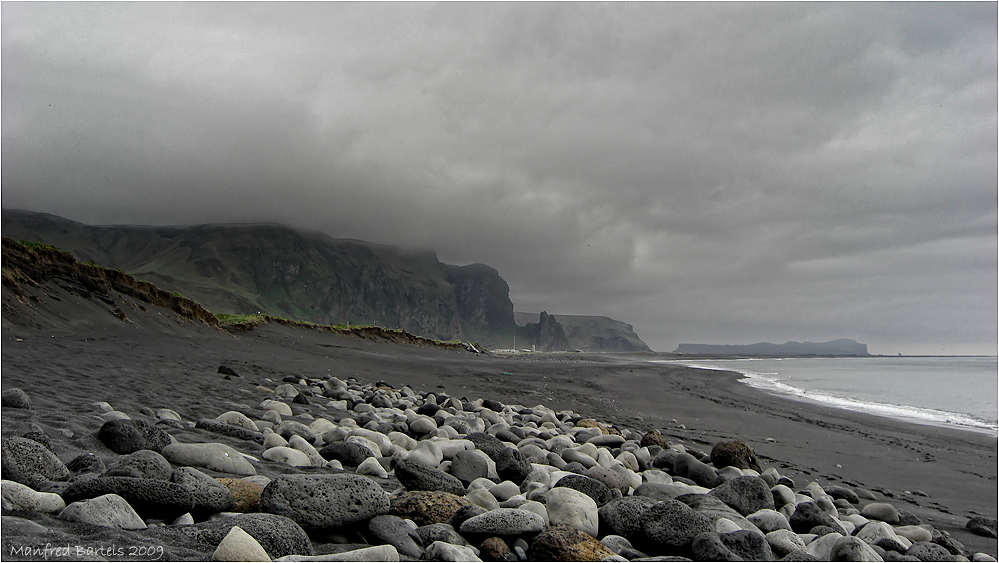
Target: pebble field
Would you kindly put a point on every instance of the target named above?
(336, 470)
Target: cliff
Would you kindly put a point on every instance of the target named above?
(547, 335)
(246, 269)
(594, 333)
(841, 347)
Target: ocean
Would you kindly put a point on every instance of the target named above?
(956, 391)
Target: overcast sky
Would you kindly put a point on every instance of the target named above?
(713, 173)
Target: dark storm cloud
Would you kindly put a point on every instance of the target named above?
(708, 172)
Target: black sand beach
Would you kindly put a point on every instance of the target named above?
(174, 365)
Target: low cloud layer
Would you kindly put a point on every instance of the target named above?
(718, 173)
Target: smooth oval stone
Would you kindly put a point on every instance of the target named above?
(238, 419)
(443, 551)
(349, 453)
(606, 440)
(395, 531)
(725, 526)
(503, 522)
(418, 476)
(880, 511)
(279, 407)
(15, 398)
(373, 468)
(782, 495)
(571, 507)
(768, 520)
(214, 456)
(108, 511)
(238, 545)
(318, 502)
(23, 497)
(912, 533)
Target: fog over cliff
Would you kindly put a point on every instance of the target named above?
(716, 173)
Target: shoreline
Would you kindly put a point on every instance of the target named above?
(133, 368)
(863, 406)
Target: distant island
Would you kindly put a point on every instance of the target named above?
(841, 347)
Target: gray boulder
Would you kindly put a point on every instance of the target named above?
(418, 476)
(15, 398)
(30, 463)
(151, 498)
(745, 494)
(143, 464)
(623, 517)
(671, 526)
(278, 535)
(750, 546)
(321, 502)
(392, 530)
(125, 436)
(808, 515)
(108, 511)
(210, 496)
(348, 453)
(589, 486)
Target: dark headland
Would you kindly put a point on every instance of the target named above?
(82, 338)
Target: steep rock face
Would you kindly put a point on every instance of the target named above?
(593, 333)
(482, 296)
(268, 268)
(547, 334)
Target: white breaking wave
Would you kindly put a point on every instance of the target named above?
(770, 382)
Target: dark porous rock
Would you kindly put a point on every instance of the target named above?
(418, 476)
(143, 464)
(808, 515)
(745, 494)
(928, 551)
(654, 438)
(511, 465)
(890, 544)
(230, 430)
(786, 481)
(709, 547)
(492, 405)
(670, 527)
(489, 444)
(906, 518)
(735, 453)
(561, 542)
(502, 522)
(495, 549)
(750, 546)
(823, 530)
(210, 496)
(623, 516)
(590, 487)
(150, 498)
(37, 434)
(301, 399)
(86, 463)
(427, 507)
(348, 453)
(324, 501)
(574, 467)
(30, 463)
(15, 398)
(439, 532)
(948, 542)
(468, 466)
(392, 530)
(982, 526)
(464, 513)
(290, 428)
(666, 459)
(125, 436)
(837, 492)
(894, 556)
(278, 535)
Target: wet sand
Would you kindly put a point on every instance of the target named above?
(174, 365)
